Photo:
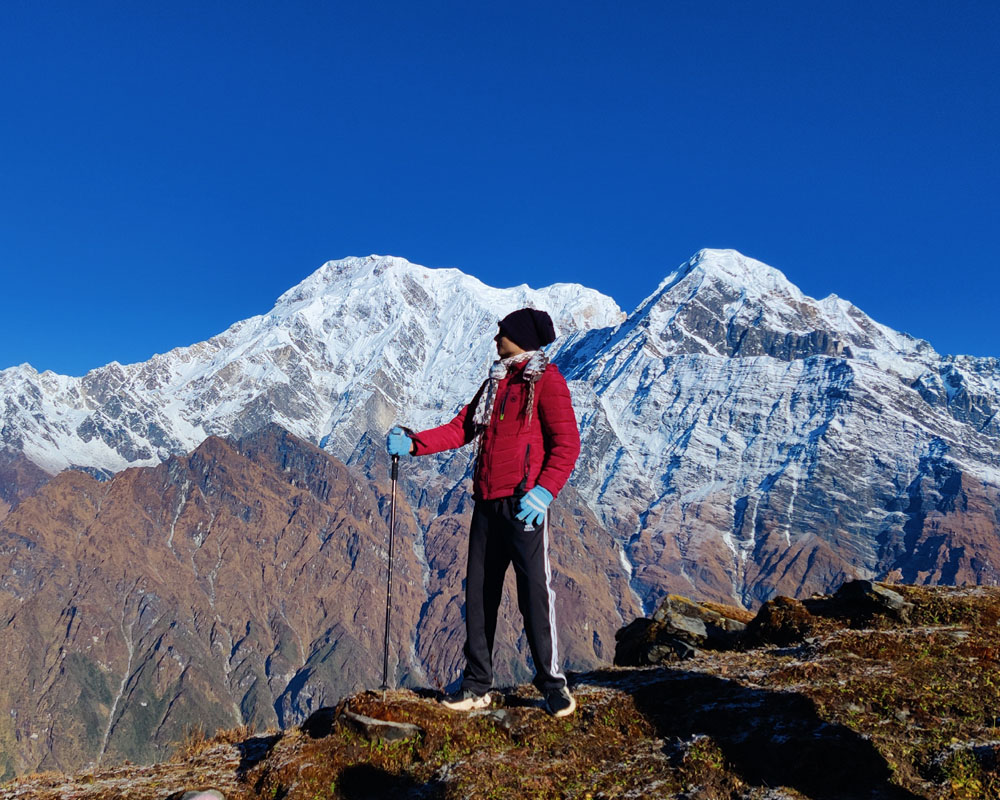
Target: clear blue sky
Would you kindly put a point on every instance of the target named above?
(170, 168)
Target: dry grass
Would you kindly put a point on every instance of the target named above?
(196, 740)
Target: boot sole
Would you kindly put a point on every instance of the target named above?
(469, 705)
(565, 712)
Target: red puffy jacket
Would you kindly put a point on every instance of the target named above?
(516, 455)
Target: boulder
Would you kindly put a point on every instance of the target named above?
(866, 599)
(376, 730)
(781, 621)
(677, 630)
(701, 624)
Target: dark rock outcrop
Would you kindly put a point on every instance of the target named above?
(680, 626)
(781, 621)
(677, 630)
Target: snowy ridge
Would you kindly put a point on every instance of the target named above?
(374, 335)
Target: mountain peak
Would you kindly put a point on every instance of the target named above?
(391, 283)
(751, 277)
(724, 303)
(731, 290)
(344, 270)
(727, 273)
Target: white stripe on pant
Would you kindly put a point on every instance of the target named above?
(496, 540)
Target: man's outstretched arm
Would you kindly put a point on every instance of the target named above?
(452, 434)
(445, 437)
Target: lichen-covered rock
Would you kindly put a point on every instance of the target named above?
(689, 629)
(677, 630)
(780, 621)
(866, 599)
(715, 624)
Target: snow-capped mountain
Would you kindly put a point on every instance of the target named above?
(745, 438)
(739, 438)
(347, 350)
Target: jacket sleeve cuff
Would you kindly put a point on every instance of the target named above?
(550, 487)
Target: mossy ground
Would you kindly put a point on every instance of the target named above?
(890, 710)
(515, 750)
(926, 694)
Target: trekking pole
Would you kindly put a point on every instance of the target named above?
(388, 590)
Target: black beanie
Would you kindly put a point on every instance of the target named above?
(528, 328)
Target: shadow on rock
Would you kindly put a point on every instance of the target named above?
(769, 738)
(320, 723)
(254, 750)
(365, 782)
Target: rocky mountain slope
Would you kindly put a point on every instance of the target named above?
(744, 439)
(739, 438)
(243, 583)
(845, 707)
(19, 478)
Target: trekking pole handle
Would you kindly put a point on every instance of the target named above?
(395, 467)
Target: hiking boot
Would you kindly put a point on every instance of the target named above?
(466, 700)
(559, 702)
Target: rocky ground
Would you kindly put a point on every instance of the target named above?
(875, 692)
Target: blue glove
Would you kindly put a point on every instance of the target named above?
(398, 443)
(533, 505)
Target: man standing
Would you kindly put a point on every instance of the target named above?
(527, 444)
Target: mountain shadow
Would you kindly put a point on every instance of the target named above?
(768, 738)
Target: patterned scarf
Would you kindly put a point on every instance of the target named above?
(536, 360)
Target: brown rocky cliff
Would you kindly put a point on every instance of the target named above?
(192, 592)
(19, 478)
(243, 583)
(949, 532)
(942, 529)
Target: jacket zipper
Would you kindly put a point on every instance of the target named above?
(503, 403)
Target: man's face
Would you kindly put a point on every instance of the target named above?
(505, 347)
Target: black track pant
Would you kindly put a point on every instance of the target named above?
(496, 540)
